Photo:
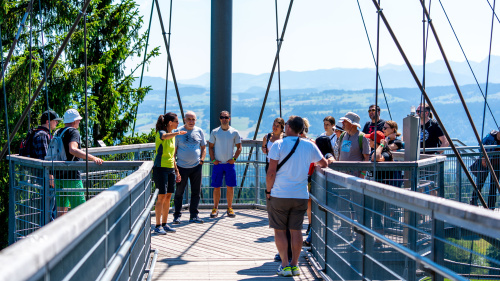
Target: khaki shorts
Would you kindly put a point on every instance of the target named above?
(286, 213)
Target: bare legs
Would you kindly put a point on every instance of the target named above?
(229, 193)
(162, 207)
(282, 245)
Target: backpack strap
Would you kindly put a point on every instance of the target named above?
(360, 141)
(289, 155)
(267, 140)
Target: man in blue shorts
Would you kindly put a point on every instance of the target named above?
(221, 145)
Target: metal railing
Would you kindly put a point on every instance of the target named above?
(367, 230)
(107, 238)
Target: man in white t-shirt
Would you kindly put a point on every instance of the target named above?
(287, 192)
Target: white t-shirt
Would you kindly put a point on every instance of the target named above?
(333, 138)
(291, 179)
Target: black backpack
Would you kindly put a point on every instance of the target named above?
(26, 146)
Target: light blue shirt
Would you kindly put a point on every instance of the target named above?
(189, 147)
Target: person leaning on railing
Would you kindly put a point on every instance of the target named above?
(270, 138)
(71, 179)
(431, 135)
(480, 169)
(391, 134)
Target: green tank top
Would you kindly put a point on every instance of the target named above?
(164, 153)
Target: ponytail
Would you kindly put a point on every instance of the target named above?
(159, 124)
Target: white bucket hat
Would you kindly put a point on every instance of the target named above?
(352, 118)
(71, 115)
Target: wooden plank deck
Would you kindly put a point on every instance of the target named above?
(223, 248)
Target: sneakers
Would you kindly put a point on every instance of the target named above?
(214, 213)
(159, 231)
(196, 220)
(177, 220)
(284, 271)
(277, 257)
(230, 213)
(167, 228)
(295, 270)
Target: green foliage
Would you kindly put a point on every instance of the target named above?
(138, 139)
(113, 38)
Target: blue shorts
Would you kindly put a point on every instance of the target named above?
(219, 171)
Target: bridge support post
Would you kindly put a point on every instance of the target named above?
(47, 208)
(220, 59)
(12, 216)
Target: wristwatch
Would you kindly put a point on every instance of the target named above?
(268, 192)
(202, 162)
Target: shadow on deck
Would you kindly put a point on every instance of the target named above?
(223, 248)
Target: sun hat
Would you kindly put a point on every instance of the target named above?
(339, 126)
(380, 136)
(71, 115)
(352, 118)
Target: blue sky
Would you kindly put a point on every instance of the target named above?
(321, 34)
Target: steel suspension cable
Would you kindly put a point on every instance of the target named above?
(373, 56)
(488, 71)
(168, 63)
(495, 14)
(49, 70)
(467, 60)
(425, 41)
(267, 92)
(44, 60)
(459, 92)
(5, 97)
(87, 182)
(30, 46)
(277, 45)
(377, 117)
(169, 57)
(144, 60)
(417, 81)
(16, 39)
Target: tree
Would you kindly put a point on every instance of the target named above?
(113, 38)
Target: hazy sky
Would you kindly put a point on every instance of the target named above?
(321, 34)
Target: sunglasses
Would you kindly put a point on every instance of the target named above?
(419, 111)
(385, 128)
(224, 117)
(371, 110)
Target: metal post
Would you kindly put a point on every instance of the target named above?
(459, 181)
(437, 253)
(47, 209)
(441, 179)
(12, 205)
(257, 177)
(220, 59)
(367, 239)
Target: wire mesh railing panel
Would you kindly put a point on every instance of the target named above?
(360, 232)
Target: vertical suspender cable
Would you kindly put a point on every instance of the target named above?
(5, 95)
(417, 81)
(373, 56)
(267, 93)
(377, 118)
(144, 60)
(495, 14)
(464, 104)
(16, 39)
(168, 62)
(87, 182)
(488, 71)
(277, 45)
(30, 46)
(43, 57)
(49, 70)
(425, 36)
(169, 57)
(467, 60)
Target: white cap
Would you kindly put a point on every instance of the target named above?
(71, 115)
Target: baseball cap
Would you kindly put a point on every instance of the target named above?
(49, 114)
(71, 115)
(380, 136)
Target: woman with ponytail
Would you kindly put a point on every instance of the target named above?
(165, 172)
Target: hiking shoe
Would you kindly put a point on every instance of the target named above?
(295, 270)
(167, 228)
(214, 213)
(306, 243)
(196, 220)
(277, 257)
(159, 231)
(177, 220)
(284, 271)
(230, 213)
